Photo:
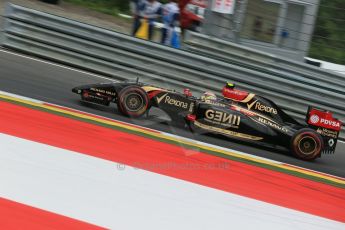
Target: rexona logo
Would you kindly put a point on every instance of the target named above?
(329, 122)
(171, 101)
(222, 118)
(260, 107)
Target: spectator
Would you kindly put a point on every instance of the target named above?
(151, 11)
(145, 9)
(137, 7)
(171, 13)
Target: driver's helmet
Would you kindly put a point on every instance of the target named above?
(208, 96)
(230, 85)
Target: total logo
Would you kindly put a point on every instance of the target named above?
(264, 108)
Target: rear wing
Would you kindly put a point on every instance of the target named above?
(326, 125)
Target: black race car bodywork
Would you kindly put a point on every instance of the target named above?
(237, 114)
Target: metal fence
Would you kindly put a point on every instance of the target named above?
(124, 57)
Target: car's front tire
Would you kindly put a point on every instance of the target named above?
(133, 101)
(306, 144)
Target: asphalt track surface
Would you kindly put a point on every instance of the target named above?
(52, 83)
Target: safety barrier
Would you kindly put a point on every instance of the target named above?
(123, 57)
(262, 61)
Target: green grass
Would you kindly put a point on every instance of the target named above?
(104, 6)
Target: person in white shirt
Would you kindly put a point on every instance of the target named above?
(152, 10)
(171, 15)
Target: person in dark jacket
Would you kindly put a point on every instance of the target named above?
(171, 15)
(137, 7)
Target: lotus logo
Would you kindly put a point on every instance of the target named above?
(314, 119)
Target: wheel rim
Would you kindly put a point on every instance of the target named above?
(134, 102)
(307, 145)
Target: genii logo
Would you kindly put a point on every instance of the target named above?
(223, 118)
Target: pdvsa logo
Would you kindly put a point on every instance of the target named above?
(314, 119)
(329, 122)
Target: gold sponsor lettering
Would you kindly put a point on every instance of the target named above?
(222, 118)
(218, 116)
(98, 90)
(227, 118)
(214, 103)
(191, 108)
(151, 88)
(159, 99)
(103, 91)
(327, 132)
(168, 100)
(175, 102)
(263, 108)
(273, 125)
(227, 132)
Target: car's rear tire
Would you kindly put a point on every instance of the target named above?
(133, 101)
(306, 144)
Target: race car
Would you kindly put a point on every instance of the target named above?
(236, 114)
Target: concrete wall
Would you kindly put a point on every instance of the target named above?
(293, 18)
(224, 26)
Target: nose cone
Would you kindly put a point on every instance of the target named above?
(75, 89)
(78, 89)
